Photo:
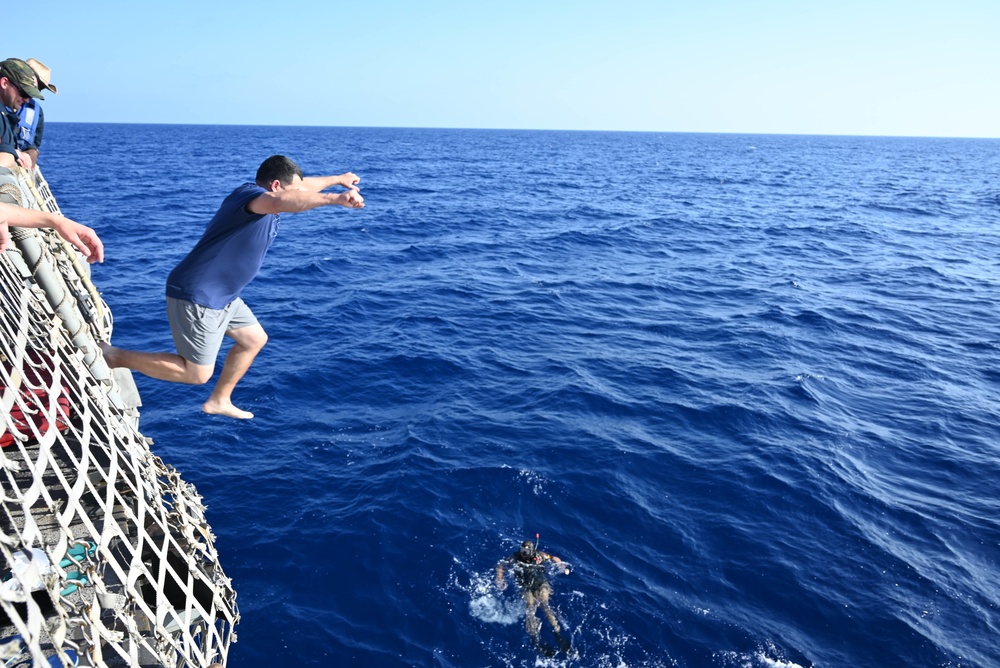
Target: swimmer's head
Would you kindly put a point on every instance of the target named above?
(527, 550)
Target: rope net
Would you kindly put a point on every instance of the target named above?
(107, 559)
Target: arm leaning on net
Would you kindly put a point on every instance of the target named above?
(81, 236)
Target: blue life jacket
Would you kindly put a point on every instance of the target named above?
(27, 124)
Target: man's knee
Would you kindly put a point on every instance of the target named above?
(261, 340)
(251, 338)
(197, 374)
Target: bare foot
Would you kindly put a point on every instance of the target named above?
(218, 408)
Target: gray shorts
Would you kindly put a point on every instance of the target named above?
(198, 331)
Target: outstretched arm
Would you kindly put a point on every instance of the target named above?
(318, 183)
(293, 201)
(81, 236)
(557, 560)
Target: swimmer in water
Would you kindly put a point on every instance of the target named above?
(528, 567)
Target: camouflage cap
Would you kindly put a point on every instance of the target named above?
(22, 75)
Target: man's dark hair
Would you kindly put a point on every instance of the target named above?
(277, 167)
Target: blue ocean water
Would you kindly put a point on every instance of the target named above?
(746, 386)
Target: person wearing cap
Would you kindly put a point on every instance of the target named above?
(528, 567)
(18, 84)
(203, 290)
(31, 120)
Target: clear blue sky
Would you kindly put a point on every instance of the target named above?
(875, 67)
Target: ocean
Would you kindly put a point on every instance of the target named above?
(745, 386)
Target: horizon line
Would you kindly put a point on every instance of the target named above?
(478, 129)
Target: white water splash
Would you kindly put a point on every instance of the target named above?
(489, 605)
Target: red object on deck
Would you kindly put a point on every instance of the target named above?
(37, 401)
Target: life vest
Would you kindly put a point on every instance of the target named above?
(27, 124)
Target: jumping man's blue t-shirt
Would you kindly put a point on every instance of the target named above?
(228, 255)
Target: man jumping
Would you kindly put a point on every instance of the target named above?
(203, 291)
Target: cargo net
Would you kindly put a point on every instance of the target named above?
(107, 559)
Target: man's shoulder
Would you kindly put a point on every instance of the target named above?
(248, 189)
(237, 200)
